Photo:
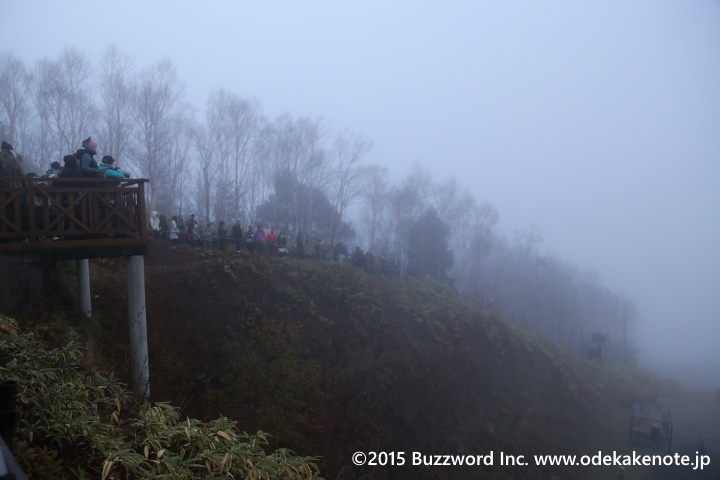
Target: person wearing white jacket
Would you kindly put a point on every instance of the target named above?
(155, 225)
(174, 231)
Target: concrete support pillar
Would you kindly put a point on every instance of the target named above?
(138, 326)
(83, 287)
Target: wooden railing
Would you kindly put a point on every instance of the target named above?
(39, 213)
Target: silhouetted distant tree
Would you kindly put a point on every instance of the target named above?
(406, 202)
(208, 169)
(280, 208)
(428, 249)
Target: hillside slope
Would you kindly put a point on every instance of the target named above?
(332, 360)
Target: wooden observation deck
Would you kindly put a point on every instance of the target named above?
(46, 220)
(70, 218)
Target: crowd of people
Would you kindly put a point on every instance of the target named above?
(177, 230)
(251, 239)
(81, 164)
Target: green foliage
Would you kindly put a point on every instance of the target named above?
(73, 425)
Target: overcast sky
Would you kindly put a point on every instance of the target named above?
(598, 122)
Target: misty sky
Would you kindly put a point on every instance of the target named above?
(598, 122)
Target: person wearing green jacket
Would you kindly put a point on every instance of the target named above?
(107, 169)
(11, 166)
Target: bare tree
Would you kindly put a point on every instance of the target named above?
(116, 111)
(207, 169)
(309, 166)
(347, 152)
(43, 100)
(374, 196)
(172, 192)
(233, 123)
(156, 100)
(270, 161)
(64, 102)
(15, 95)
(452, 203)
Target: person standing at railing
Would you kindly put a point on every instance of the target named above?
(155, 225)
(53, 171)
(191, 226)
(10, 164)
(250, 238)
(221, 234)
(282, 244)
(164, 228)
(174, 230)
(270, 240)
(108, 169)
(86, 155)
(71, 169)
(260, 238)
(37, 198)
(237, 233)
(207, 234)
(181, 229)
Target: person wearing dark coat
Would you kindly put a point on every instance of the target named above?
(299, 245)
(250, 238)
(53, 171)
(86, 155)
(237, 233)
(221, 233)
(164, 228)
(71, 169)
(12, 165)
(282, 244)
(358, 258)
(191, 226)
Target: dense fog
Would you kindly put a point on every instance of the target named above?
(593, 126)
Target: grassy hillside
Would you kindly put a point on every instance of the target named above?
(331, 360)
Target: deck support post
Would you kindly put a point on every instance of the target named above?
(83, 287)
(138, 326)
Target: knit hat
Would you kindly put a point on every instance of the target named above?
(6, 146)
(89, 143)
(55, 165)
(108, 160)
